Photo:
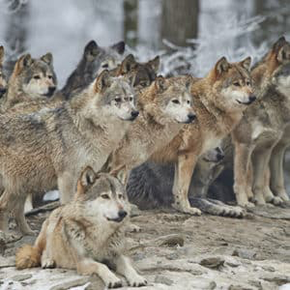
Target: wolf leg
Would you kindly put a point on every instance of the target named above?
(89, 267)
(268, 194)
(28, 203)
(216, 207)
(67, 187)
(20, 218)
(276, 169)
(184, 168)
(125, 268)
(242, 159)
(260, 164)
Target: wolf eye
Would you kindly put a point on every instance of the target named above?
(50, 77)
(236, 84)
(120, 196)
(130, 99)
(175, 101)
(105, 196)
(143, 84)
(118, 99)
(36, 77)
(105, 65)
(188, 102)
(248, 83)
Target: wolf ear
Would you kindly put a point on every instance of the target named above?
(119, 47)
(128, 64)
(222, 66)
(23, 62)
(160, 84)
(87, 178)
(154, 63)
(246, 63)
(1, 54)
(91, 50)
(278, 44)
(103, 81)
(48, 58)
(188, 82)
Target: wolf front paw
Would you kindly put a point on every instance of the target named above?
(186, 209)
(136, 281)
(112, 281)
(47, 263)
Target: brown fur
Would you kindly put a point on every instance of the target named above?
(217, 116)
(84, 233)
(259, 132)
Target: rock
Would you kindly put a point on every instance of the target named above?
(212, 262)
(7, 262)
(163, 280)
(170, 240)
(21, 277)
(70, 284)
(277, 279)
(245, 254)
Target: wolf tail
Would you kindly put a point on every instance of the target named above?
(29, 256)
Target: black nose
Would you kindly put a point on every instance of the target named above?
(220, 156)
(191, 117)
(252, 98)
(3, 91)
(134, 114)
(51, 90)
(122, 213)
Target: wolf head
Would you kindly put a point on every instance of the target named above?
(35, 77)
(214, 155)
(113, 97)
(141, 75)
(278, 62)
(104, 197)
(169, 100)
(94, 60)
(231, 84)
(3, 83)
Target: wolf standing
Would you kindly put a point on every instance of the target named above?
(46, 149)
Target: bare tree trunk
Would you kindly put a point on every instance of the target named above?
(16, 31)
(179, 20)
(130, 22)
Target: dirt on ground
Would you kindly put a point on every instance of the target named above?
(177, 251)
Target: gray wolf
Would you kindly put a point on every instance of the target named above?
(140, 74)
(85, 233)
(32, 79)
(219, 100)
(46, 149)
(3, 82)
(93, 61)
(164, 108)
(261, 138)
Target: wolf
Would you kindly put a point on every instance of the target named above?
(219, 100)
(93, 61)
(47, 148)
(3, 82)
(32, 79)
(261, 137)
(85, 233)
(141, 75)
(164, 108)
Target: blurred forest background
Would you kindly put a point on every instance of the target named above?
(189, 34)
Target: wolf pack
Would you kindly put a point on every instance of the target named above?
(100, 139)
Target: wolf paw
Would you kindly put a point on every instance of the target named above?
(47, 263)
(112, 281)
(186, 209)
(232, 211)
(276, 200)
(136, 281)
(132, 228)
